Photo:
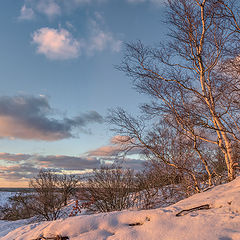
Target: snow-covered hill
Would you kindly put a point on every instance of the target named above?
(220, 222)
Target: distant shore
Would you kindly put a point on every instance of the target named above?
(15, 189)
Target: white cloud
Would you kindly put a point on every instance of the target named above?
(100, 40)
(75, 3)
(56, 43)
(52, 8)
(158, 2)
(49, 7)
(81, 1)
(26, 13)
(60, 44)
(70, 26)
(136, 1)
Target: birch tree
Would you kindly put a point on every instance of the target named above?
(192, 79)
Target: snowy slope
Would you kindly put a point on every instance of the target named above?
(221, 222)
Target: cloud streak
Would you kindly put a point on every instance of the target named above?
(156, 2)
(18, 172)
(19, 167)
(25, 166)
(54, 8)
(118, 145)
(28, 117)
(26, 13)
(67, 162)
(48, 8)
(14, 157)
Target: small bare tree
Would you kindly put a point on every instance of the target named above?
(48, 201)
(109, 189)
(160, 185)
(18, 207)
(52, 191)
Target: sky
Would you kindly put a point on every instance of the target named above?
(59, 79)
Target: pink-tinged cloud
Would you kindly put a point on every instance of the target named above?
(118, 144)
(66, 162)
(24, 166)
(121, 140)
(56, 43)
(18, 172)
(105, 151)
(49, 161)
(21, 167)
(27, 117)
(14, 128)
(59, 44)
(14, 157)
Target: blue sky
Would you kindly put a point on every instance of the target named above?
(58, 79)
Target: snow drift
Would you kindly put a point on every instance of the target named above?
(220, 222)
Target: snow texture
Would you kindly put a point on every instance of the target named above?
(4, 197)
(220, 222)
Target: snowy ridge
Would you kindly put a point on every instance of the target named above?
(220, 222)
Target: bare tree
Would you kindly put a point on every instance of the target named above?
(193, 81)
(52, 191)
(67, 185)
(48, 202)
(109, 189)
(161, 185)
(18, 207)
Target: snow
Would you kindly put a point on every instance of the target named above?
(4, 196)
(220, 222)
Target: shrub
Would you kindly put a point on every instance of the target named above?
(51, 193)
(18, 207)
(109, 189)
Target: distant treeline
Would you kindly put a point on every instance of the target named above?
(16, 190)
